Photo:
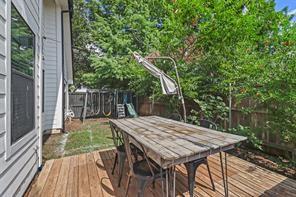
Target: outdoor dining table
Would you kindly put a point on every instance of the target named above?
(170, 143)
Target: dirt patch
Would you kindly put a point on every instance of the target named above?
(76, 124)
(53, 146)
(274, 163)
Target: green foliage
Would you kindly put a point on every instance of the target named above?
(247, 132)
(81, 38)
(118, 28)
(216, 43)
(211, 108)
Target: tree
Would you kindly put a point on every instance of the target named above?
(216, 43)
(244, 43)
(81, 38)
(118, 28)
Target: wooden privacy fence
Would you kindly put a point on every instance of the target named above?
(256, 120)
(100, 103)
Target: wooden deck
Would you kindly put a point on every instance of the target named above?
(90, 175)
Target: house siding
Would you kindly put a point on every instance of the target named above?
(52, 116)
(18, 168)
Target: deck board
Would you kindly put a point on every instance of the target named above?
(61, 185)
(90, 175)
(72, 183)
(83, 177)
(52, 178)
(95, 187)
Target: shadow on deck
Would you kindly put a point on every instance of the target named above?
(90, 175)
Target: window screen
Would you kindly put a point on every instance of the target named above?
(22, 76)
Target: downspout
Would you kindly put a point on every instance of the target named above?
(63, 69)
(69, 11)
(40, 131)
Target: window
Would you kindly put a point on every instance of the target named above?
(22, 77)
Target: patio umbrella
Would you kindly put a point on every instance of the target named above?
(168, 85)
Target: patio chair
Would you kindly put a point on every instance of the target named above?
(120, 154)
(145, 171)
(208, 124)
(193, 165)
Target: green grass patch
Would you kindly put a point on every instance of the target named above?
(77, 140)
(92, 136)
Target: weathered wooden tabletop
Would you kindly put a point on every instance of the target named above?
(170, 142)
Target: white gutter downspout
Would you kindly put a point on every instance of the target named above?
(40, 130)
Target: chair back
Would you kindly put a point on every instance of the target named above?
(128, 150)
(208, 124)
(116, 136)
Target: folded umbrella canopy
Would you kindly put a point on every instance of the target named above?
(168, 85)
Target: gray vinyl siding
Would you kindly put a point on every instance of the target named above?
(2, 78)
(52, 116)
(17, 170)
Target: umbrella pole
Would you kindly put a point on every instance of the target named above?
(180, 94)
(180, 90)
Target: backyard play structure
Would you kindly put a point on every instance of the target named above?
(102, 103)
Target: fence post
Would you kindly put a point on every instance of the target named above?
(230, 106)
(85, 106)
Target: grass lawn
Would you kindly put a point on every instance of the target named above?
(93, 135)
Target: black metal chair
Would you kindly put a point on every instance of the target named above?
(193, 165)
(145, 170)
(208, 124)
(120, 154)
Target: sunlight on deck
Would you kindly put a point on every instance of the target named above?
(90, 175)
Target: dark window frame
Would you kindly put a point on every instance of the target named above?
(29, 80)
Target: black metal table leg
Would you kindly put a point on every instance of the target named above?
(121, 161)
(191, 172)
(225, 180)
(226, 173)
(115, 162)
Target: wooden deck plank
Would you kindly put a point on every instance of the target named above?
(269, 175)
(72, 187)
(256, 178)
(104, 178)
(260, 181)
(238, 181)
(83, 180)
(90, 175)
(61, 185)
(201, 187)
(108, 160)
(39, 184)
(217, 176)
(51, 181)
(95, 186)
